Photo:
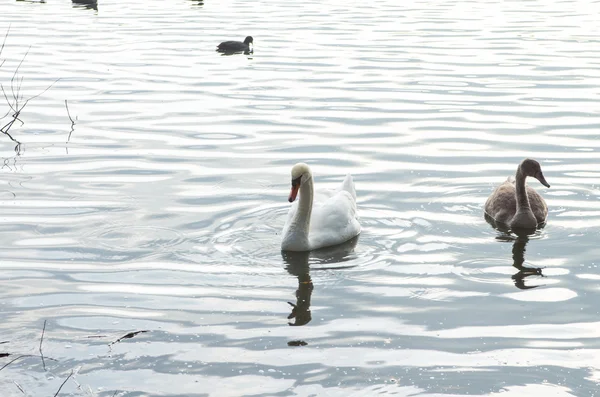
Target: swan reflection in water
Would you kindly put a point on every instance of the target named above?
(520, 238)
(298, 265)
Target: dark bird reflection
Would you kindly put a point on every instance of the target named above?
(298, 264)
(87, 4)
(520, 238)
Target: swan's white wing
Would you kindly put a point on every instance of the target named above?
(348, 185)
(333, 221)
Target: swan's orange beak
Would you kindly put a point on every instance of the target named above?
(294, 193)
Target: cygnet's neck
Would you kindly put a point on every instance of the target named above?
(522, 199)
(524, 217)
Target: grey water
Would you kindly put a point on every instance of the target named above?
(160, 208)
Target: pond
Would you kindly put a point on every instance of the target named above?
(146, 190)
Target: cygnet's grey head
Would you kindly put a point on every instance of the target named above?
(532, 168)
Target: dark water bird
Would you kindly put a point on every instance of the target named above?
(89, 4)
(236, 46)
(517, 205)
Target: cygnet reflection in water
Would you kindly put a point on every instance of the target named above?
(520, 238)
(298, 264)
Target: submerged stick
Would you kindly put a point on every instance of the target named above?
(15, 359)
(72, 121)
(19, 357)
(41, 341)
(19, 386)
(65, 381)
(4, 42)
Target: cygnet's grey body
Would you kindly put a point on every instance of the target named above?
(517, 205)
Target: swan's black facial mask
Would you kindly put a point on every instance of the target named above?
(295, 188)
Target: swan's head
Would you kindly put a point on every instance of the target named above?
(248, 40)
(532, 168)
(300, 174)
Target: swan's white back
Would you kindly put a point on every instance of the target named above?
(334, 217)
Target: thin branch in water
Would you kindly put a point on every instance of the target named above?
(7, 101)
(4, 355)
(68, 113)
(15, 116)
(15, 359)
(6, 341)
(19, 89)
(19, 386)
(61, 386)
(75, 372)
(12, 80)
(4, 42)
(41, 93)
(22, 356)
(72, 122)
(127, 336)
(41, 341)
(5, 132)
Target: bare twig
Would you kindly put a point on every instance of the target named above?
(18, 111)
(75, 372)
(12, 80)
(65, 381)
(72, 122)
(7, 101)
(127, 336)
(69, 114)
(3, 43)
(19, 386)
(16, 100)
(41, 93)
(2, 355)
(15, 359)
(19, 357)
(1, 343)
(41, 341)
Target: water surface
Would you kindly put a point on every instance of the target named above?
(163, 209)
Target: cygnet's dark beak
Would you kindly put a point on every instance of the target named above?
(540, 177)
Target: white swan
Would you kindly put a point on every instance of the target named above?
(331, 219)
(517, 205)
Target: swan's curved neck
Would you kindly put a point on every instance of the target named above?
(301, 220)
(522, 199)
